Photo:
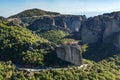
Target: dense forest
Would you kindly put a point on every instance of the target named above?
(21, 46)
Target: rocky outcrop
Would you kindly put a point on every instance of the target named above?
(104, 28)
(92, 29)
(2, 18)
(14, 22)
(112, 30)
(70, 53)
(65, 22)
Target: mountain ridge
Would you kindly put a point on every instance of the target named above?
(33, 12)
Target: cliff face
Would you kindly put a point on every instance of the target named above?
(70, 53)
(102, 28)
(64, 22)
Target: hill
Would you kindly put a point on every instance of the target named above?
(23, 47)
(14, 41)
(33, 12)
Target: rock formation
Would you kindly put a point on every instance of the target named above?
(14, 22)
(104, 28)
(70, 53)
(2, 18)
(65, 22)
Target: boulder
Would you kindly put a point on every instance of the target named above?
(70, 53)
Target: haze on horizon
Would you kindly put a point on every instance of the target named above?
(76, 7)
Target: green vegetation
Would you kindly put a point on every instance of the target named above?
(68, 40)
(107, 69)
(33, 12)
(54, 35)
(20, 46)
(16, 40)
(84, 48)
(35, 57)
(6, 70)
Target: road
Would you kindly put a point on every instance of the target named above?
(50, 68)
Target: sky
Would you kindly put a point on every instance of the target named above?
(76, 7)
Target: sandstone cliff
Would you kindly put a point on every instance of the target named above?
(70, 53)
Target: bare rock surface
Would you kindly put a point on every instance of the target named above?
(70, 53)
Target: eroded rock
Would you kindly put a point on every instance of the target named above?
(70, 53)
(103, 28)
(64, 22)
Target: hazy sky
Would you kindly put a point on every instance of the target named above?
(79, 7)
